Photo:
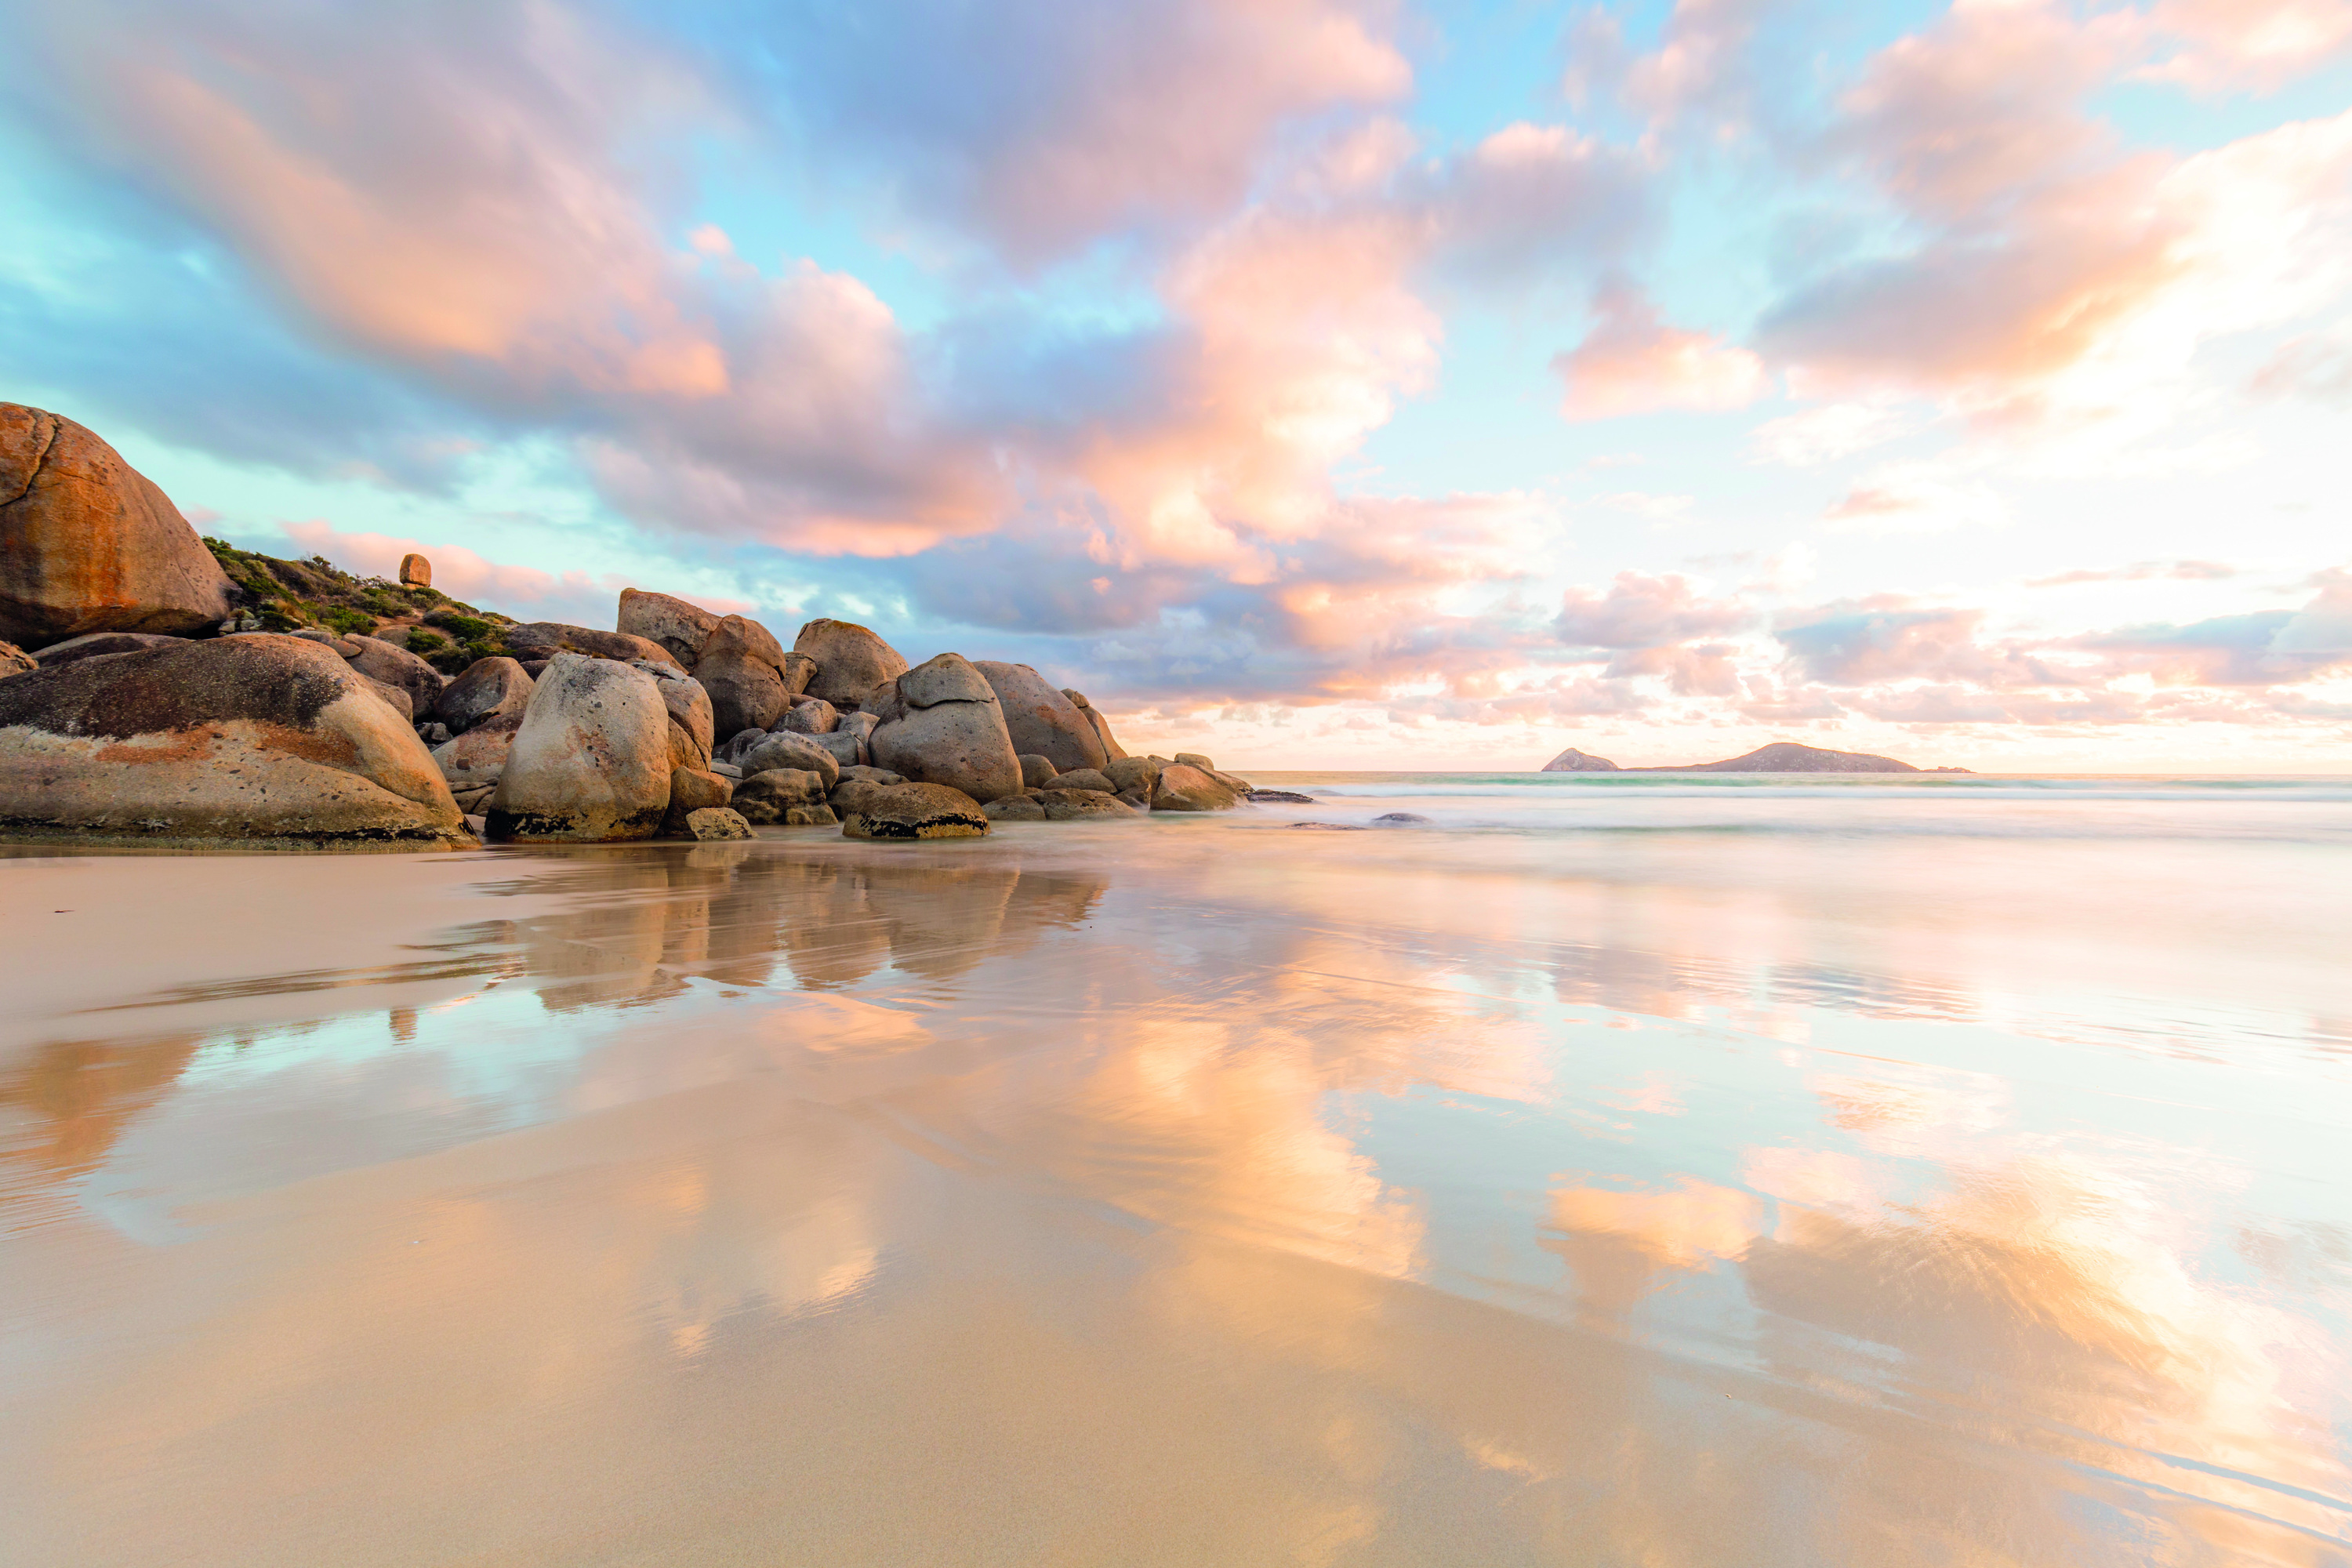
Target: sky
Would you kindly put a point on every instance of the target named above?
(1311, 382)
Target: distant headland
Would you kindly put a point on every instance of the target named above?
(1779, 757)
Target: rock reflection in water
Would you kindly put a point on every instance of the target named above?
(813, 1203)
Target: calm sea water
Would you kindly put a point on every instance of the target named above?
(1598, 1170)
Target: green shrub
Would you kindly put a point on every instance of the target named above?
(471, 628)
(348, 622)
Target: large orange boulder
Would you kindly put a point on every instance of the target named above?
(88, 544)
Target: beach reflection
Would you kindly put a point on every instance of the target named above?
(1153, 1199)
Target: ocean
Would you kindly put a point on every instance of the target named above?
(1599, 1169)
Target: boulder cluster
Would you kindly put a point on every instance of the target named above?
(147, 694)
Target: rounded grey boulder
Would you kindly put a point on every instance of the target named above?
(380, 660)
(945, 728)
(783, 749)
(591, 761)
(850, 661)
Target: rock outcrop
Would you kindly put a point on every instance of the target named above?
(1779, 757)
(1572, 760)
(415, 572)
(688, 706)
(88, 544)
(97, 644)
(915, 811)
(940, 724)
(591, 761)
(260, 739)
(850, 662)
(1076, 805)
(1041, 719)
(14, 660)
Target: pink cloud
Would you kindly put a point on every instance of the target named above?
(1632, 362)
(2249, 43)
(1642, 612)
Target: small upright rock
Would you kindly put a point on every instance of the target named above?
(415, 572)
(1036, 771)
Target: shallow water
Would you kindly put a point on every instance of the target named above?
(1662, 1170)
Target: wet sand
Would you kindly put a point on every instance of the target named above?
(1196, 1192)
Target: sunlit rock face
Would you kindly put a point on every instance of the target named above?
(88, 544)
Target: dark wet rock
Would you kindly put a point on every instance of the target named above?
(380, 660)
(677, 625)
(714, 824)
(1399, 819)
(1084, 778)
(1332, 827)
(97, 644)
(728, 771)
(1075, 804)
(1036, 771)
(1039, 718)
(88, 544)
(783, 749)
(1281, 797)
(1014, 808)
(945, 728)
(247, 739)
(850, 662)
(913, 811)
(590, 761)
(1183, 787)
(544, 639)
(490, 689)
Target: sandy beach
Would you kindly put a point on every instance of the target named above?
(1200, 1191)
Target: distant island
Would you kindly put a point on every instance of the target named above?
(1779, 757)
